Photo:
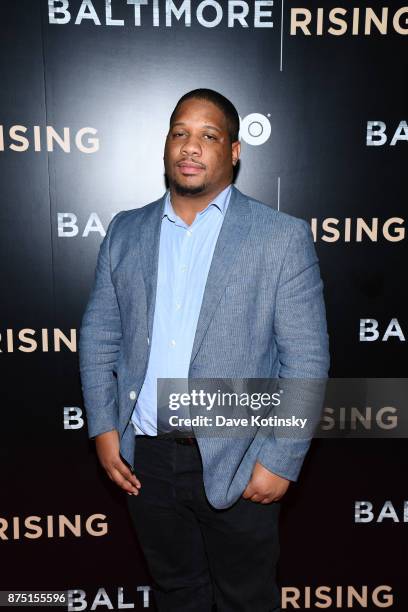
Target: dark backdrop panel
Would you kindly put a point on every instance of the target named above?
(119, 84)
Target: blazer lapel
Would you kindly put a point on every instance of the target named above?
(234, 229)
(149, 241)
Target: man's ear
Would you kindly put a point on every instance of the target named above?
(236, 151)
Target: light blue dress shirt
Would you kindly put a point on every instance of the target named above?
(185, 255)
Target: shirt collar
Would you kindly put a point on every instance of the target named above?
(220, 201)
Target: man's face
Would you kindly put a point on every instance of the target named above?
(198, 154)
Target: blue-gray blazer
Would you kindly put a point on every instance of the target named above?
(262, 316)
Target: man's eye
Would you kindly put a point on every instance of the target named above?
(178, 133)
(210, 136)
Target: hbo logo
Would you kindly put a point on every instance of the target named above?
(255, 129)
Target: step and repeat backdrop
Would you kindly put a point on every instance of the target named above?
(87, 88)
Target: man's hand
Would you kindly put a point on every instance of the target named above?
(107, 448)
(265, 486)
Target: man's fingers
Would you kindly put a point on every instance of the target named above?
(256, 497)
(259, 494)
(123, 477)
(123, 482)
(248, 492)
(127, 473)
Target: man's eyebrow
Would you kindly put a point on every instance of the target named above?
(211, 127)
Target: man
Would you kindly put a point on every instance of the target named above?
(203, 283)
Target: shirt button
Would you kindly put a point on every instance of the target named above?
(178, 306)
(183, 268)
(172, 342)
(132, 395)
(189, 232)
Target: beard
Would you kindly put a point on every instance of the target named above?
(183, 190)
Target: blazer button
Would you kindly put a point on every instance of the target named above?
(132, 395)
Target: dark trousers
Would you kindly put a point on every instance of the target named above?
(197, 555)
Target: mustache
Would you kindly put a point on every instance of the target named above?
(189, 161)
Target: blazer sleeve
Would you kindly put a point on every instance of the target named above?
(303, 348)
(99, 344)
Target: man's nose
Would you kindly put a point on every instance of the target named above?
(191, 146)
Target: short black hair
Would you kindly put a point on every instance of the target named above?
(225, 105)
